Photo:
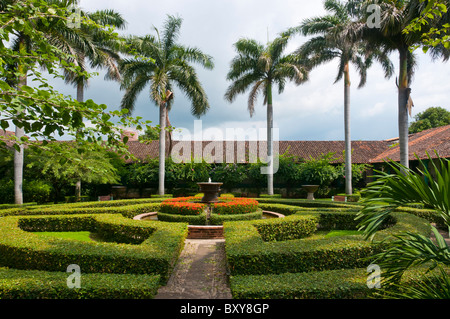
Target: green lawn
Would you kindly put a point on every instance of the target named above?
(80, 235)
(335, 233)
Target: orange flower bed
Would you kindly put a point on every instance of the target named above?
(187, 206)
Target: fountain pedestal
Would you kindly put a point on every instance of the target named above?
(210, 192)
(310, 189)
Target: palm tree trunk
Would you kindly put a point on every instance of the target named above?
(162, 147)
(348, 141)
(168, 136)
(80, 91)
(20, 132)
(269, 140)
(80, 98)
(78, 191)
(18, 169)
(403, 94)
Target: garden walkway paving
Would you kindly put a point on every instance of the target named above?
(200, 272)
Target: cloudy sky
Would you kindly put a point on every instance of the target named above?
(312, 111)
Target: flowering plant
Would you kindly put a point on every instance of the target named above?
(182, 206)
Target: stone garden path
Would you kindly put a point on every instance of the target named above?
(200, 272)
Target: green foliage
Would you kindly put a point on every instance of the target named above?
(40, 110)
(34, 191)
(248, 254)
(156, 254)
(292, 227)
(35, 284)
(430, 118)
(318, 171)
(37, 191)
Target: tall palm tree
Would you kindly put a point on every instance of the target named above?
(96, 48)
(259, 67)
(331, 43)
(395, 16)
(163, 64)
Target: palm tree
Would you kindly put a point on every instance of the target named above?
(395, 16)
(94, 47)
(391, 190)
(258, 68)
(163, 64)
(330, 43)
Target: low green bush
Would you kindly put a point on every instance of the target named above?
(160, 244)
(199, 219)
(35, 284)
(247, 252)
(219, 219)
(292, 227)
(128, 211)
(328, 284)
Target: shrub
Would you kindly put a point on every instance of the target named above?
(35, 284)
(247, 252)
(156, 254)
(292, 227)
(235, 206)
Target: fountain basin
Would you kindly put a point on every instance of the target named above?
(311, 189)
(210, 192)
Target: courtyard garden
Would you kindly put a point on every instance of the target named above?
(88, 210)
(314, 251)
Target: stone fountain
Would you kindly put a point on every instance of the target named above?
(311, 189)
(210, 191)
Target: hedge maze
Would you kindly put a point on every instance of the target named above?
(290, 257)
(302, 262)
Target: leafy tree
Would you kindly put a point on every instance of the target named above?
(64, 163)
(318, 171)
(389, 36)
(40, 111)
(435, 35)
(430, 118)
(259, 67)
(330, 42)
(164, 64)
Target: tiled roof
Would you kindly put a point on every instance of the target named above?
(5, 135)
(435, 139)
(241, 151)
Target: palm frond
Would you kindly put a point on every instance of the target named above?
(406, 186)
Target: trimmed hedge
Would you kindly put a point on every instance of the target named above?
(128, 211)
(309, 203)
(248, 254)
(35, 284)
(219, 219)
(328, 284)
(292, 227)
(160, 245)
(189, 219)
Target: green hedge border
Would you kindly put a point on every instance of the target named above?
(36, 284)
(128, 211)
(159, 248)
(328, 284)
(248, 254)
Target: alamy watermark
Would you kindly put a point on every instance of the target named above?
(236, 145)
(74, 280)
(374, 278)
(74, 19)
(374, 19)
